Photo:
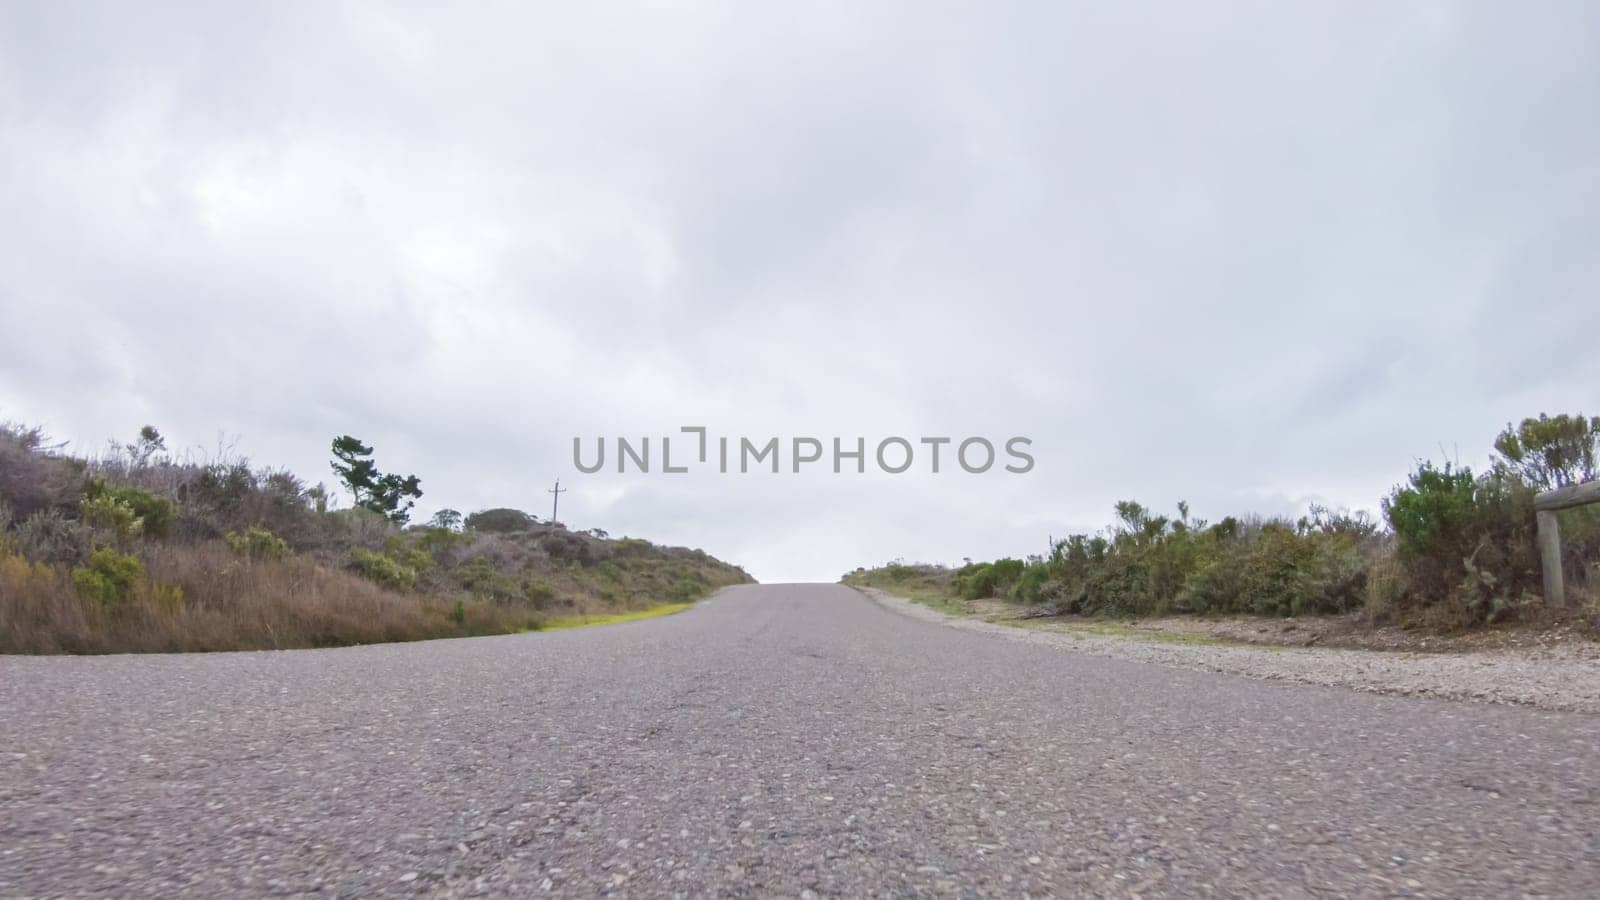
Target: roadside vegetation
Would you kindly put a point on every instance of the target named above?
(1454, 549)
(138, 550)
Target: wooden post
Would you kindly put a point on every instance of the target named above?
(1549, 529)
(1555, 591)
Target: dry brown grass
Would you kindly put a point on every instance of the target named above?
(159, 574)
(225, 602)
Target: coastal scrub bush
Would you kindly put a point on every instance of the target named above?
(538, 593)
(109, 578)
(34, 476)
(49, 536)
(480, 576)
(152, 515)
(1466, 544)
(500, 520)
(976, 581)
(256, 542)
(112, 516)
(381, 570)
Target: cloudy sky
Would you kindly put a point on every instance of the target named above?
(1248, 257)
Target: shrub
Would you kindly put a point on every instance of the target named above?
(1006, 571)
(110, 578)
(1152, 564)
(382, 570)
(899, 571)
(256, 542)
(211, 498)
(974, 581)
(1289, 573)
(1030, 586)
(357, 527)
(281, 504)
(500, 520)
(1218, 583)
(154, 514)
(538, 593)
(1433, 515)
(112, 515)
(1466, 544)
(570, 547)
(34, 478)
(479, 576)
(413, 558)
(48, 536)
(435, 540)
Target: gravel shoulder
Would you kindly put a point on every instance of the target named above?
(1562, 678)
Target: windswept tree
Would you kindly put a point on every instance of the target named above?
(388, 495)
(1552, 451)
(150, 442)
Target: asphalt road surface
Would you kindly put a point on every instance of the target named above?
(782, 740)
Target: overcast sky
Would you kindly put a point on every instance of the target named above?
(1248, 258)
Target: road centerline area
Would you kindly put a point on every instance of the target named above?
(777, 740)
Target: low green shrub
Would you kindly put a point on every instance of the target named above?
(1466, 544)
(1031, 585)
(538, 593)
(256, 542)
(111, 515)
(110, 578)
(382, 570)
(412, 557)
(480, 576)
(973, 581)
(977, 581)
(138, 511)
(439, 541)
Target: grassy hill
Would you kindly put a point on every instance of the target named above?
(138, 551)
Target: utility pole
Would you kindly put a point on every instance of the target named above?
(555, 500)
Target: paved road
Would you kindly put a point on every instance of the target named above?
(774, 741)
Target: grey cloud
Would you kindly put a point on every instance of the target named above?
(1243, 257)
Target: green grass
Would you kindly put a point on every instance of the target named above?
(666, 609)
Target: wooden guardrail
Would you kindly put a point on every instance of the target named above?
(1545, 505)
